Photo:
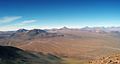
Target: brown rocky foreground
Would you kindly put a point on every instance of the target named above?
(112, 59)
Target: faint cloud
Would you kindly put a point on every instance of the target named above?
(15, 26)
(28, 21)
(9, 19)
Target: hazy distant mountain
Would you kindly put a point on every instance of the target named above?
(22, 30)
(101, 29)
(36, 32)
(6, 34)
(32, 33)
(64, 28)
(22, 35)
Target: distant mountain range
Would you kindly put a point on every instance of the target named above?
(89, 29)
(35, 33)
(46, 33)
(100, 29)
(28, 34)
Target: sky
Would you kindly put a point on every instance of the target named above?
(45, 14)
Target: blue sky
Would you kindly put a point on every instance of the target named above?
(30, 14)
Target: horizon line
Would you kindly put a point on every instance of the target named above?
(65, 27)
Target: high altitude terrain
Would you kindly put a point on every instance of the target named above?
(75, 45)
(13, 55)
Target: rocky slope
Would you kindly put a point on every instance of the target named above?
(112, 59)
(13, 55)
